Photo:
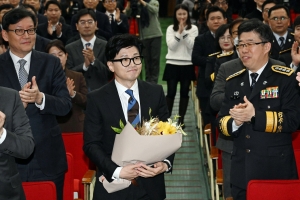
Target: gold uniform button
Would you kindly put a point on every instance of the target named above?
(247, 150)
(248, 136)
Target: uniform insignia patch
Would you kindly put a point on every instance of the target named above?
(282, 70)
(235, 74)
(225, 54)
(270, 93)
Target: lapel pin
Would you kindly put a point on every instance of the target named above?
(242, 83)
(265, 82)
(236, 93)
(289, 40)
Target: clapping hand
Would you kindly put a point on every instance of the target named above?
(243, 112)
(33, 94)
(295, 54)
(70, 86)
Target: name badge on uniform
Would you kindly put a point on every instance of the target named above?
(270, 93)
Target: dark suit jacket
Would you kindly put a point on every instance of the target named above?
(287, 45)
(99, 136)
(41, 19)
(49, 147)
(98, 74)
(121, 28)
(41, 43)
(103, 24)
(204, 45)
(66, 32)
(17, 144)
(268, 140)
(73, 121)
(255, 14)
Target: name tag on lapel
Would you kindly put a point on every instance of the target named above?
(270, 93)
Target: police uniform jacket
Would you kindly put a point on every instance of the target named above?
(262, 148)
(287, 45)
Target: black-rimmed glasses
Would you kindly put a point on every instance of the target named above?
(20, 32)
(126, 61)
(249, 45)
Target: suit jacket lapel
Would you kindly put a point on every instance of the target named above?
(97, 47)
(78, 47)
(245, 84)
(35, 63)
(144, 98)
(289, 41)
(10, 71)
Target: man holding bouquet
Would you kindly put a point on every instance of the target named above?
(114, 102)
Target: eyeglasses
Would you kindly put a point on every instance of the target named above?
(89, 22)
(111, 1)
(126, 61)
(279, 18)
(223, 38)
(249, 45)
(20, 32)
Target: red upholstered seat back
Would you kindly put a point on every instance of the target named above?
(273, 189)
(69, 179)
(45, 190)
(296, 139)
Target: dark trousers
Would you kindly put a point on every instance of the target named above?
(226, 163)
(151, 54)
(238, 193)
(184, 88)
(32, 172)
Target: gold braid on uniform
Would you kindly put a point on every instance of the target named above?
(235, 74)
(223, 125)
(212, 76)
(274, 122)
(282, 70)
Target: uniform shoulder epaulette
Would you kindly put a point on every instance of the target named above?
(235, 74)
(286, 50)
(282, 70)
(225, 54)
(213, 54)
(212, 76)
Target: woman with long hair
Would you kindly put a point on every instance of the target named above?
(179, 67)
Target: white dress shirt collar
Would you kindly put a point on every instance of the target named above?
(258, 72)
(16, 59)
(92, 41)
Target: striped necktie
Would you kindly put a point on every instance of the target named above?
(133, 109)
(23, 76)
(253, 77)
(281, 42)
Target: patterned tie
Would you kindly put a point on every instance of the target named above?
(281, 43)
(253, 77)
(133, 109)
(88, 45)
(23, 76)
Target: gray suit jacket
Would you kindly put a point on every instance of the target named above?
(97, 74)
(17, 144)
(218, 92)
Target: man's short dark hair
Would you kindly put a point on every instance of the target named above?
(52, 2)
(297, 21)
(56, 43)
(16, 15)
(268, 2)
(118, 42)
(6, 7)
(277, 7)
(214, 1)
(86, 11)
(28, 6)
(254, 25)
(234, 22)
(214, 9)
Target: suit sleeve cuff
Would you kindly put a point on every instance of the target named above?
(116, 174)
(269, 121)
(42, 106)
(3, 136)
(225, 125)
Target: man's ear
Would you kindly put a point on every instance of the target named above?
(4, 35)
(110, 66)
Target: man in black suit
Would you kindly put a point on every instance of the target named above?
(279, 21)
(41, 82)
(204, 46)
(118, 21)
(104, 29)
(16, 141)
(54, 28)
(36, 5)
(87, 54)
(260, 112)
(123, 53)
(257, 13)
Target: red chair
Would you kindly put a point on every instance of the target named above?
(45, 190)
(69, 180)
(273, 189)
(73, 144)
(296, 139)
(297, 157)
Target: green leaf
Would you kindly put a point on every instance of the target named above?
(121, 124)
(117, 130)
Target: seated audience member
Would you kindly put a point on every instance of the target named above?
(279, 22)
(16, 142)
(73, 121)
(2, 2)
(3, 45)
(291, 57)
(257, 13)
(40, 42)
(190, 5)
(224, 5)
(15, 3)
(103, 25)
(201, 20)
(203, 47)
(54, 28)
(70, 8)
(265, 10)
(37, 5)
(118, 21)
(87, 54)
(4, 9)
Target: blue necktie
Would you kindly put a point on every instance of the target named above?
(281, 42)
(23, 76)
(253, 77)
(133, 109)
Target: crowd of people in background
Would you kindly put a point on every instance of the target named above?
(55, 53)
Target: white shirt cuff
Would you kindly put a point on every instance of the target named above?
(2, 138)
(116, 174)
(235, 127)
(294, 67)
(59, 35)
(166, 160)
(84, 67)
(42, 106)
